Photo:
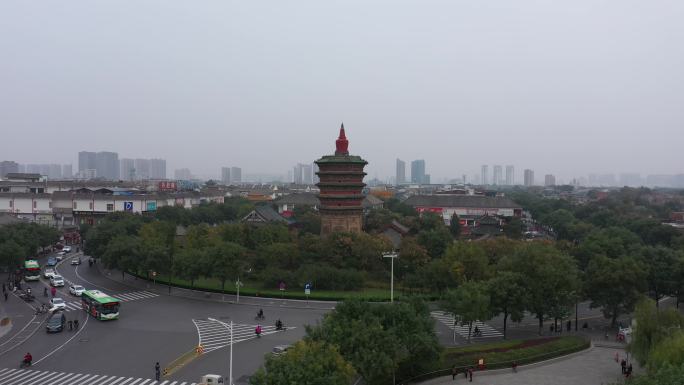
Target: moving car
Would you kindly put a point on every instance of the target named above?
(48, 273)
(52, 261)
(57, 304)
(60, 256)
(57, 280)
(56, 322)
(66, 249)
(75, 261)
(76, 290)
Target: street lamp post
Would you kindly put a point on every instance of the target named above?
(392, 255)
(230, 367)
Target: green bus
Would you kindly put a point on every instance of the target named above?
(31, 270)
(100, 305)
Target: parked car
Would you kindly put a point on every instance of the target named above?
(48, 273)
(76, 290)
(56, 281)
(75, 261)
(60, 255)
(57, 304)
(281, 349)
(56, 322)
(66, 249)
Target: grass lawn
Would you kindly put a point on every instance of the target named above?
(503, 354)
(256, 289)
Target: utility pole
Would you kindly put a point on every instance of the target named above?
(391, 255)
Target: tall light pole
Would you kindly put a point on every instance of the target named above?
(230, 367)
(391, 255)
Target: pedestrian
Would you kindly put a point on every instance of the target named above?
(5, 296)
(71, 325)
(53, 291)
(629, 371)
(454, 372)
(515, 366)
(569, 325)
(470, 374)
(623, 364)
(75, 324)
(157, 371)
(4, 289)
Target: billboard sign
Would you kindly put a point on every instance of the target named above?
(128, 206)
(152, 206)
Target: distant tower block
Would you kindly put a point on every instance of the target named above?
(341, 184)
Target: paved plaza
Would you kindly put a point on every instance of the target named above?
(596, 366)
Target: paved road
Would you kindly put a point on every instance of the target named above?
(152, 327)
(596, 366)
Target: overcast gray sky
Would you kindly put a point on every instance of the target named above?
(564, 87)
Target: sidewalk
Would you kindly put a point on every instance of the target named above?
(594, 366)
(5, 321)
(162, 289)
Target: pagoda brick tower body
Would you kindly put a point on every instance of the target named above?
(341, 184)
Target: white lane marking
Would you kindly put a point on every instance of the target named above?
(18, 333)
(78, 377)
(17, 374)
(118, 380)
(135, 382)
(41, 378)
(448, 320)
(58, 375)
(129, 379)
(88, 378)
(105, 380)
(69, 340)
(69, 375)
(144, 382)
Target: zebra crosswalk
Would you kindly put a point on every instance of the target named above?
(462, 330)
(40, 377)
(135, 295)
(214, 334)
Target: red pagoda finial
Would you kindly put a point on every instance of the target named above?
(342, 143)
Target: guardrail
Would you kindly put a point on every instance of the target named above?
(498, 365)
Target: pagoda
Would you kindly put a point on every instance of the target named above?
(341, 185)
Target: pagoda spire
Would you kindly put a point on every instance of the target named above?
(342, 144)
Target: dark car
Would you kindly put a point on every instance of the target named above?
(56, 322)
(52, 261)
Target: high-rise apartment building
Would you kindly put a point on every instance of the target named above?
(182, 174)
(54, 171)
(142, 168)
(549, 180)
(225, 175)
(529, 177)
(498, 176)
(107, 165)
(418, 171)
(510, 175)
(302, 174)
(127, 169)
(235, 175)
(67, 171)
(157, 168)
(8, 166)
(401, 172)
(87, 161)
(484, 175)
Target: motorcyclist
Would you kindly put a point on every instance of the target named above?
(477, 330)
(257, 331)
(53, 291)
(28, 358)
(260, 314)
(279, 324)
(28, 291)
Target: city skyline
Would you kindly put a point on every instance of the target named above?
(545, 107)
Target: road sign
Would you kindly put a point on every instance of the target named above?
(128, 206)
(307, 291)
(281, 286)
(307, 286)
(154, 273)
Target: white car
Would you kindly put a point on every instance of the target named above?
(76, 290)
(75, 261)
(57, 304)
(60, 255)
(66, 249)
(281, 349)
(56, 280)
(48, 273)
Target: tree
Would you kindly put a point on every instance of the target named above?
(507, 294)
(380, 340)
(551, 279)
(156, 246)
(468, 303)
(123, 253)
(412, 257)
(308, 362)
(189, 263)
(666, 375)
(455, 226)
(435, 240)
(471, 259)
(514, 228)
(660, 272)
(11, 254)
(653, 326)
(615, 285)
(227, 260)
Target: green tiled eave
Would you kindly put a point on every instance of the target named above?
(332, 159)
